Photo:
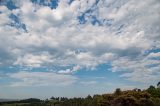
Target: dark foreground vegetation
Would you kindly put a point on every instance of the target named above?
(135, 97)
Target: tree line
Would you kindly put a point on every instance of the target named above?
(135, 97)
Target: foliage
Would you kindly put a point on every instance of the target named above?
(155, 92)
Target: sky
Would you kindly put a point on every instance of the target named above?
(72, 48)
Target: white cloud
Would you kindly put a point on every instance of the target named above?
(41, 18)
(144, 70)
(4, 15)
(24, 78)
(69, 71)
(154, 55)
(134, 30)
(31, 60)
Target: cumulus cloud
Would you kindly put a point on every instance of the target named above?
(126, 32)
(4, 15)
(33, 60)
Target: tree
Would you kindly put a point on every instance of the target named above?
(158, 85)
(152, 87)
(53, 98)
(155, 92)
(124, 100)
(118, 91)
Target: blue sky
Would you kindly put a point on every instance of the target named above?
(73, 48)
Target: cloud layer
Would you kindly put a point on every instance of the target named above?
(41, 79)
(82, 35)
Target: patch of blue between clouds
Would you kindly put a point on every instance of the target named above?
(93, 18)
(153, 50)
(9, 4)
(15, 19)
(11, 69)
(52, 4)
(17, 23)
(153, 58)
(101, 71)
(103, 74)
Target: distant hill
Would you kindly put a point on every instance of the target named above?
(8, 100)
